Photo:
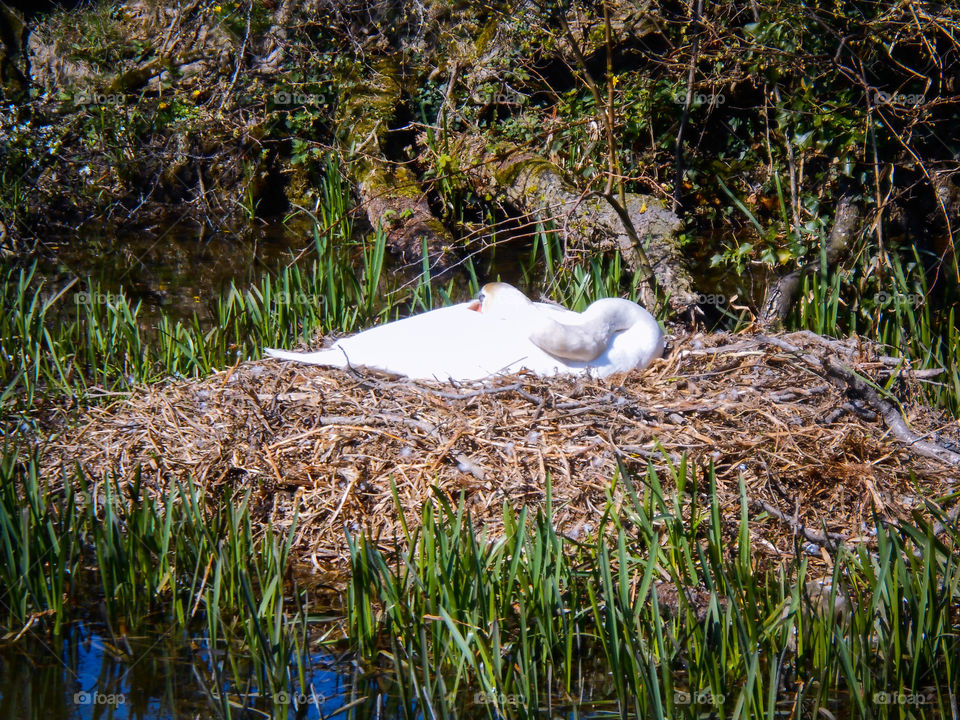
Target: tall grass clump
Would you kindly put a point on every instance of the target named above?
(883, 295)
(42, 534)
(193, 567)
(66, 341)
(662, 613)
(896, 308)
(574, 284)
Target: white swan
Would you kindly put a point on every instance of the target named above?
(499, 333)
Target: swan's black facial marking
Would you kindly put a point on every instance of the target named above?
(477, 303)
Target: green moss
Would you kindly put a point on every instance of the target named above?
(366, 106)
(508, 173)
(487, 34)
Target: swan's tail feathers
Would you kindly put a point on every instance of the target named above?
(330, 358)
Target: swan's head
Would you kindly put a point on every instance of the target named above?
(499, 300)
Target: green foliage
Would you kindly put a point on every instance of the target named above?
(96, 35)
(448, 179)
(764, 114)
(188, 563)
(533, 620)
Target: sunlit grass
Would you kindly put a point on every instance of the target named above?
(182, 562)
(534, 620)
(574, 284)
(512, 625)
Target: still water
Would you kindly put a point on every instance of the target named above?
(86, 675)
(178, 269)
(164, 677)
(181, 270)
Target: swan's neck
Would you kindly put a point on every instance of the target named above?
(637, 341)
(636, 332)
(582, 341)
(579, 337)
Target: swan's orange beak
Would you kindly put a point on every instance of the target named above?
(474, 305)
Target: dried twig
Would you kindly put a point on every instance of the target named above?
(830, 540)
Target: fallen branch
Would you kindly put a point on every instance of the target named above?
(891, 416)
(858, 388)
(827, 539)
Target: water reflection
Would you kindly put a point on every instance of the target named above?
(167, 676)
(180, 268)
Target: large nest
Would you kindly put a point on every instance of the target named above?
(820, 452)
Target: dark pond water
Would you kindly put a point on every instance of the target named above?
(162, 676)
(177, 268)
(165, 676)
(181, 269)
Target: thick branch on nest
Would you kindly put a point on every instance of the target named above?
(858, 388)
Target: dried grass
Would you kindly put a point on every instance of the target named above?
(813, 460)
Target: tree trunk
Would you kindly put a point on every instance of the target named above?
(536, 187)
(782, 292)
(392, 197)
(13, 83)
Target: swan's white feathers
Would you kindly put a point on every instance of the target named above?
(509, 334)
